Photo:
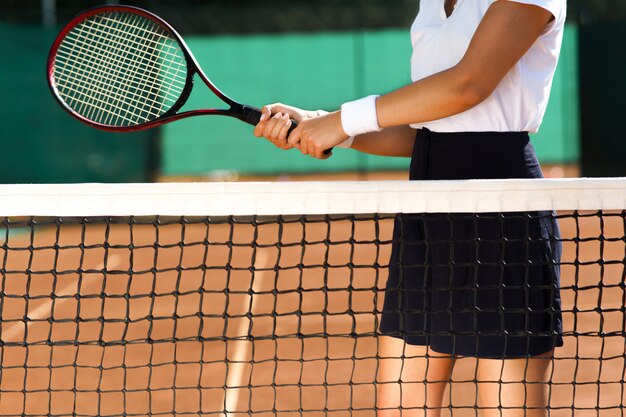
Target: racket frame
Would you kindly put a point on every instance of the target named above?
(248, 114)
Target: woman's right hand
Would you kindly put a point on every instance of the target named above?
(276, 122)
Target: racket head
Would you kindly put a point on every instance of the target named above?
(120, 68)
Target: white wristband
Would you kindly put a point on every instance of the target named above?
(358, 117)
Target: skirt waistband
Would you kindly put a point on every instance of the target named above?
(473, 155)
(425, 132)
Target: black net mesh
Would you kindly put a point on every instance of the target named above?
(282, 315)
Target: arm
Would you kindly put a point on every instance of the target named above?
(393, 141)
(275, 123)
(506, 32)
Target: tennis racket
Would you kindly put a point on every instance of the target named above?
(122, 68)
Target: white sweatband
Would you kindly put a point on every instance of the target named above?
(359, 116)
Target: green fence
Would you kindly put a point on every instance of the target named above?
(321, 71)
(43, 144)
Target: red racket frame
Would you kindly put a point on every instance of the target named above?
(248, 114)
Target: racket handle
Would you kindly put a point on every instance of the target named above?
(253, 117)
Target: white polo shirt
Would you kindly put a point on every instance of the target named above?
(519, 102)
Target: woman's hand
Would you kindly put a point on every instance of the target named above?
(313, 136)
(276, 122)
(274, 125)
(317, 131)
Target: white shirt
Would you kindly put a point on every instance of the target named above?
(519, 102)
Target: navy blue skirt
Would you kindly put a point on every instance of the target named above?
(483, 285)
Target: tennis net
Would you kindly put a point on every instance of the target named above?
(267, 299)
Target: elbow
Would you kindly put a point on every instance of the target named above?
(472, 89)
(472, 95)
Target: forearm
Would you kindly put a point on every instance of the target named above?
(393, 141)
(441, 95)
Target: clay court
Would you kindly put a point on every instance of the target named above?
(208, 324)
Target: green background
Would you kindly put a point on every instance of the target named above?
(44, 144)
(320, 71)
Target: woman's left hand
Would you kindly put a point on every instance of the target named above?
(314, 136)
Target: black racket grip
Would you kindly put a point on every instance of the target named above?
(253, 117)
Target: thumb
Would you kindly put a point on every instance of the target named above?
(294, 137)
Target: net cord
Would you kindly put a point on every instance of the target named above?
(313, 198)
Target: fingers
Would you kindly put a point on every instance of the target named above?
(276, 130)
(320, 153)
(313, 139)
(266, 113)
(313, 135)
(304, 144)
(314, 148)
(310, 147)
(275, 123)
(258, 129)
(279, 134)
(295, 113)
(266, 124)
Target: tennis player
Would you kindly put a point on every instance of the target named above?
(459, 286)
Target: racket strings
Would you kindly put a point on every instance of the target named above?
(97, 76)
(120, 69)
(121, 35)
(151, 87)
(98, 80)
(149, 84)
(117, 74)
(137, 71)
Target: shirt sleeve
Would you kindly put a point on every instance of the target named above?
(556, 7)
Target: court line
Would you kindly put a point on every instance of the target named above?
(37, 315)
(243, 348)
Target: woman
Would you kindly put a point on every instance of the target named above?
(482, 72)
